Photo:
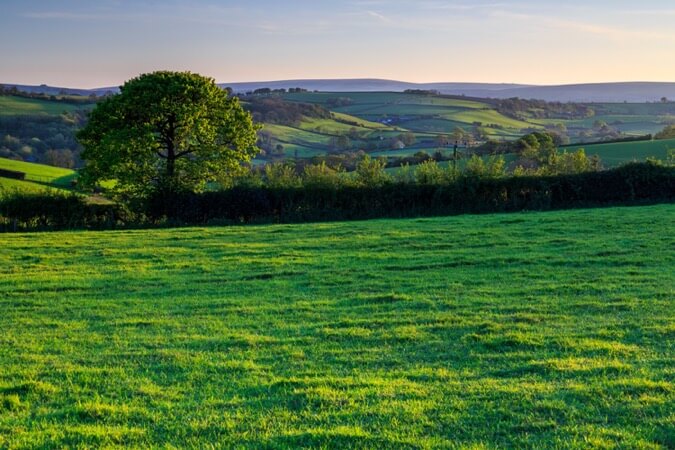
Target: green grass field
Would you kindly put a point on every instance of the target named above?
(39, 177)
(11, 185)
(10, 106)
(40, 172)
(613, 155)
(529, 330)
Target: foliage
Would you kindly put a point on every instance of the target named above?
(494, 167)
(326, 195)
(534, 330)
(166, 131)
(430, 173)
(42, 138)
(332, 194)
(370, 172)
(667, 133)
(281, 176)
(322, 176)
(520, 108)
(62, 98)
(275, 110)
(539, 155)
(48, 210)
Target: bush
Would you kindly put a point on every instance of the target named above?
(633, 183)
(50, 211)
(328, 199)
(667, 133)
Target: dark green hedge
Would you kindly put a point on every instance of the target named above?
(631, 184)
(55, 212)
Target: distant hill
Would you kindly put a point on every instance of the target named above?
(364, 85)
(368, 85)
(637, 92)
(595, 92)
(56, 90)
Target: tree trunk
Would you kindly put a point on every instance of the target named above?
(170, 167)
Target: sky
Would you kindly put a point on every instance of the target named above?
(97, 43)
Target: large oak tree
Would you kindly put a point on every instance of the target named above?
(166, 131)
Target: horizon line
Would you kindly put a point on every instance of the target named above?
(288, 80)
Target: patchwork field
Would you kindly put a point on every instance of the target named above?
(532, 330)
(419, 113)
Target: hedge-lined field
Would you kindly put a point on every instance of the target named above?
(12, 105)
(530, 330)
(615, 154)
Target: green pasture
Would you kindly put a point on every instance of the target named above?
(292, 135)
(39, 177)
(10, 106)
(336, 128)
(40, 172)
(613, 155)
(303, 151)
(643, 109)
(361, 122)
(530, 330)
(9, 185)
(488, 116)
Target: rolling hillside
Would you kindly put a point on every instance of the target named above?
(371, 121)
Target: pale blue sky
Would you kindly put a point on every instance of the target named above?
(92, 43)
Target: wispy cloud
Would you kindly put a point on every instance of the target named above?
(601, 30)
(379, 16)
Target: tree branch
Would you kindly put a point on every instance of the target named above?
(185, 152)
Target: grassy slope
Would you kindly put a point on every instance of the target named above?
(613, 155)
(10, 105)
(11, 185)
(542, 330)
(313, 136)
(40, 172)
(422, 113)
(37, 176)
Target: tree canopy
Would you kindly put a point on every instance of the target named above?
(166, 130)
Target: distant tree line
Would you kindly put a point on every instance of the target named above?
(62, 97)
(47, 139)
(519, 108)
(270, 91)
(422, 91)
(276, 110)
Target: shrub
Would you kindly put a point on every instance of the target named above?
(53, 210)
(329, 197)
(370, 172)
